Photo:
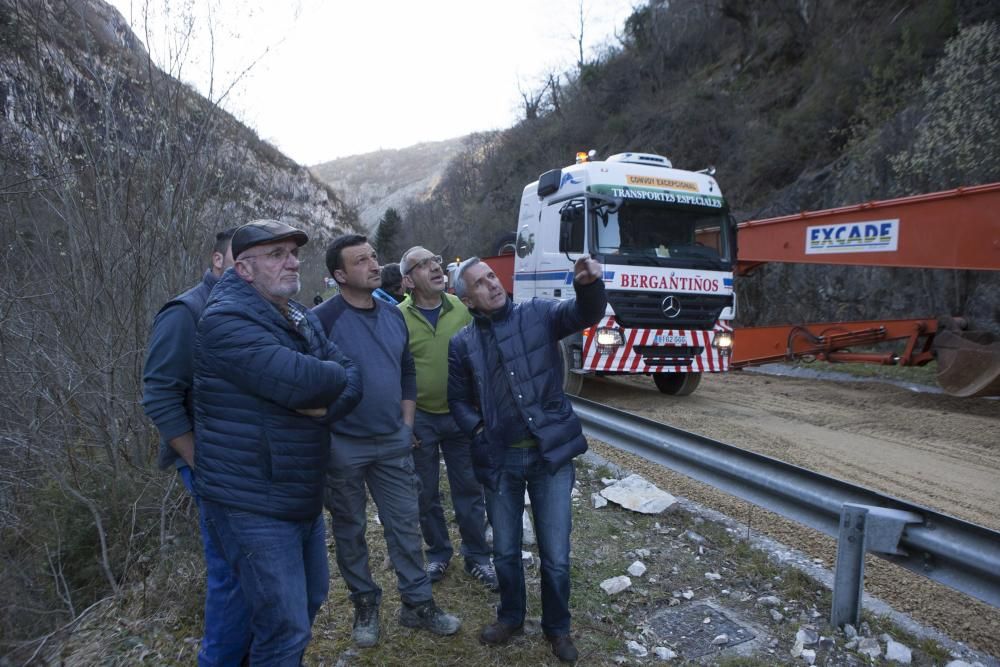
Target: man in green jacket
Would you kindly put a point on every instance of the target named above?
(433, 316)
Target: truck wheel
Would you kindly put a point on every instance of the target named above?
(677, 384)
(572, 382)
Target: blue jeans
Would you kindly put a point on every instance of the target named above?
(440, 435)
(551, 510)
(282, 567)
(227, 614)
(384, 464)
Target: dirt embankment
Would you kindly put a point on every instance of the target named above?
(929, 449)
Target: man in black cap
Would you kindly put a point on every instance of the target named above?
(268, 384)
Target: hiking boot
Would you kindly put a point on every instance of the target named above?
(428, 616)
(366, 622)
(562, 648)
(435, 570)
(499, 633)
(485, 574)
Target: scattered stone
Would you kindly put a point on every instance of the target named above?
(637, 569)
(869, 646)
(850, 631)
(707, 620)
(637, 494)
(693, 537)
(885, 636)
(713, 576)
(663, 653)
(598, 500)
(773, 643)
(527, 557)
(894, 651)
(688, 594)
(769, 600)
(808, 655)
(575, 493)
(636, 649)
(527, 529)
(643, 553)
(615, 585)
(807, 636)
(777, 616)
(826, 643)
(527, 498)
(852, 644)
(797, 649)
(958, 663)
(607, 481)
(720, 640)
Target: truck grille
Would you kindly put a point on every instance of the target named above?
(644, 309)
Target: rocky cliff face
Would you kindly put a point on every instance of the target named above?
(76, 84)
(374, 182)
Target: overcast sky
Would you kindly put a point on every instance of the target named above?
(330, 78)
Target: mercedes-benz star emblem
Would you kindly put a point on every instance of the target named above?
(671, 306)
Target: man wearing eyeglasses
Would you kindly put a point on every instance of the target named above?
(432, 317)
(372, 447)
(268, 382)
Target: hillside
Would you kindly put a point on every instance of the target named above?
(799, 106)
(373, 182)
(114, 178)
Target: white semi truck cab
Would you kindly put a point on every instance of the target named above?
(667, 244)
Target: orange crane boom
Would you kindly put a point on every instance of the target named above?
(953, 229)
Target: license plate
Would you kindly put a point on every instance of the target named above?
(669, 339)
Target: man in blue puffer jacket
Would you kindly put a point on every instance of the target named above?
(268, 383)
(505, 389)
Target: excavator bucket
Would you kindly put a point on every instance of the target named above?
(968, 363)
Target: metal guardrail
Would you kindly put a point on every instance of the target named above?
(953, 552)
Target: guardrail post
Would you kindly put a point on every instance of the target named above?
(863, 528)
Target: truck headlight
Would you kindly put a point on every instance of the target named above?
(723, 342)
(608, 340)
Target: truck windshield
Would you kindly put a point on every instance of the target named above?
(663, 235)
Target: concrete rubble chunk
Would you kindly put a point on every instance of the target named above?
(809, 656)
(598, 500)
(693, 537)
(637, 569)
(807, 636)
(637, 494)
(636, 649)
(615, 585)
(663, 653)
(527, 529)
(720, 640)
(796, 649)
(869, 646)
(896, 652)
(769, 600)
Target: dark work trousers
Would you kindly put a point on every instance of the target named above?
(384, 464)
(439, 435)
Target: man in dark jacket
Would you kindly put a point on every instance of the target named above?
(505, 390)
(268, 383)
(166, 398)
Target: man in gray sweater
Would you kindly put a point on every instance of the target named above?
(372, 446)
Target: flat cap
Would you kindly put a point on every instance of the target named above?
(260, 232)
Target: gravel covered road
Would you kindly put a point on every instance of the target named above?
(929, 449)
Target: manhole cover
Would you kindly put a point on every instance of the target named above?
(686, 629)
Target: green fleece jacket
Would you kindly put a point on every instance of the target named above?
(429, 347)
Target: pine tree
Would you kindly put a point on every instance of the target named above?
(385, 237)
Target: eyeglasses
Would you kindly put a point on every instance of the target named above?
(278, 255)
(426, 261)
